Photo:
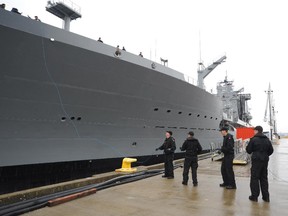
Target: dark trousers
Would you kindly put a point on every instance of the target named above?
(193, 163)
(169, 168)
(259, 175)
(227, 170)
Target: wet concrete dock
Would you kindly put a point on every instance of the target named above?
(157, 196)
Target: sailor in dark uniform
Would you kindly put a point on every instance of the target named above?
(169, 147)
(192, 148)
(15, 10)
(227, 162)
(261, 148)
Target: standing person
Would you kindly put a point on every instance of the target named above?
(261, 148)
(192, 148)
(169, 147)
(227, 162)
(37, 18)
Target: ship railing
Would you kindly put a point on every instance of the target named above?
(215, 151)
(189, 79)
(240, 150)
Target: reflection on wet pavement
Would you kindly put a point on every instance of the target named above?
(278, 162)
(158, 196)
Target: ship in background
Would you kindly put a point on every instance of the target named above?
(72, 106)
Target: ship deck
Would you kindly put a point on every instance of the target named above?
(155, 195)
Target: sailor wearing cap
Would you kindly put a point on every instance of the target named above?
(227, 162)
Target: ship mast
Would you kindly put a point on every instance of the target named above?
(203, 72)
(271, 107)
(65, 10)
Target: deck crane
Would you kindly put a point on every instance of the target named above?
(203, 72)
(271, 107)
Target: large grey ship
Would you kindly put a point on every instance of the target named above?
(72, 106)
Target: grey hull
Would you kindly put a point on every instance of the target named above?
(65, 97)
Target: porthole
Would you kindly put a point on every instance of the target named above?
(168, 111)
(190, 114)
(156, 109)
(72, 118)
(79, 118)
(205, 116)
(198, 115)
(63, 119)
(180, 112)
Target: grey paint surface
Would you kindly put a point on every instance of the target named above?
(44, 81)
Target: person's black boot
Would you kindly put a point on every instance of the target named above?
(254, 199)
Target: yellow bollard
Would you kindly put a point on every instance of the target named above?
(126, 165)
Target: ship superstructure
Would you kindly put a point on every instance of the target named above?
(235, 106)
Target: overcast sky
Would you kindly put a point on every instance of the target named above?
(253, 34)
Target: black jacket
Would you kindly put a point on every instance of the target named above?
(168, 146)
(260, 146)
(192, 147)
(228, 145)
